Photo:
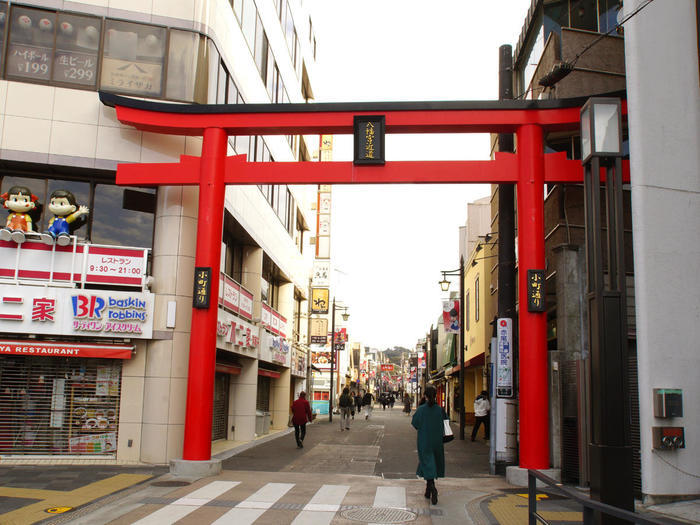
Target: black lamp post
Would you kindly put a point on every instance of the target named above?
(610, 453)
(445, 285)
(345, 318)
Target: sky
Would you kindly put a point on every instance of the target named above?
(389, 243)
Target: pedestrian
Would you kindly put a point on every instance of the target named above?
(301, 414)
(428, 421)
(383, 400)
(358, 403)
(407, 404)
(392, 400)
(367, 403)
(481, 412)
(345, 403)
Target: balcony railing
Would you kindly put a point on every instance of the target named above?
(74, 266)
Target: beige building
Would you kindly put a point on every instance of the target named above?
(95, 335)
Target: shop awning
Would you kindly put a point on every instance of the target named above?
(232, 370)
(65, 349)
(268, 373)
(469, 363)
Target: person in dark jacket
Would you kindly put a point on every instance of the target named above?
(345, 403)
(368, 402)
(358, 403)
(301, 414)
(428, 421)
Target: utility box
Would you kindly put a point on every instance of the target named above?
(260, 423)
(668, 438)
(668, 402)
(266, 423)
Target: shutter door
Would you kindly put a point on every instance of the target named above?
(220, 412)
(569, 422)
(633, 387)
(263, 400)
(59, 406)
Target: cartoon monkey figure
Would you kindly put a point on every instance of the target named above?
(68, 217)
(20, 201)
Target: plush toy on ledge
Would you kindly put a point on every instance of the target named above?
(22, 205)
(68, 217)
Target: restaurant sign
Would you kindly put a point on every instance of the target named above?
(74, 312)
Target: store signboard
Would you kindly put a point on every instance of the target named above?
(236, 335)
(74, 312)
(274, 349)
(321, 273)
(504, 357)
(387, 367)
(70, 349)
(89, 263)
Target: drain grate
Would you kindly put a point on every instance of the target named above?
(378, 515)
(172, 483)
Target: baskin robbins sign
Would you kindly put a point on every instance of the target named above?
(60, 311)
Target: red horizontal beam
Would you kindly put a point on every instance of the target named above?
(341, 122)
(558, 169)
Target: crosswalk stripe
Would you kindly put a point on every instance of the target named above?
(187, 504)
(251, 508)
(390, 497)
(322, 507)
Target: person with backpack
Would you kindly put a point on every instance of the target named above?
(345, 403)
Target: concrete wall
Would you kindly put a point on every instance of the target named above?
(664, 122)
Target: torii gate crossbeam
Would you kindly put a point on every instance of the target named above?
(529, 168)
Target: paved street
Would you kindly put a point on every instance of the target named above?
(365, 475)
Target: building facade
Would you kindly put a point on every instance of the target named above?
(95, 332)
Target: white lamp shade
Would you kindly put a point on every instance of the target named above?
(607, 128)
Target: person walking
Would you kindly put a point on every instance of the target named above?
(301, 414)
(346, 404)
(392, 400)
(481, 412)
(428, 421)
(367, 402)
(407, 404)
(358, 403)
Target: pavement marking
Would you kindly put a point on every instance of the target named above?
(509, 509)
(539, 497)
(180, 508)
(59, 498)
(390, 497)
(322, 507)
(251, 508)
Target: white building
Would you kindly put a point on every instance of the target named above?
(95, 336)
(663, 86)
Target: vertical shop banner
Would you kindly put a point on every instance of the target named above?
(319, 331)
(504, 358)
(321, 274)
(450, 316)
(319, 300)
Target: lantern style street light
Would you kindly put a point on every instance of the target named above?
(445, 286)
(345, 316)
(610, 453)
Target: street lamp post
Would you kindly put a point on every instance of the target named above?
(610, 453)
(445, 285)
(345, 318)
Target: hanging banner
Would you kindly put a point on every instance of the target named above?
(504, 357)
(319, 300)
(450, 316)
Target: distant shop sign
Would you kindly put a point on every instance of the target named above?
(504, 357)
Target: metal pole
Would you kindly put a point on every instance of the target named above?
(460, 397)
(330, 391)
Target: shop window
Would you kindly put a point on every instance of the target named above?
(30, 47)
(113, 224)
(133, 58)
(3, 25)
(77, 42)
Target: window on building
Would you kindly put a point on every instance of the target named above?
(3, 25)
(476, 299)
(237, 6)
(466, 311)
(289, 29)
(118, 215)
(248, 22)
(261, 48)
(607, 14)
(30, 47)
(221, 95)
(583, 15)
(133, 58)
(76, 56)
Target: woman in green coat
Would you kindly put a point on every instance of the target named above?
(428, 421)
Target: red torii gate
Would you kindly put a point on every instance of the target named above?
(529, 169)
